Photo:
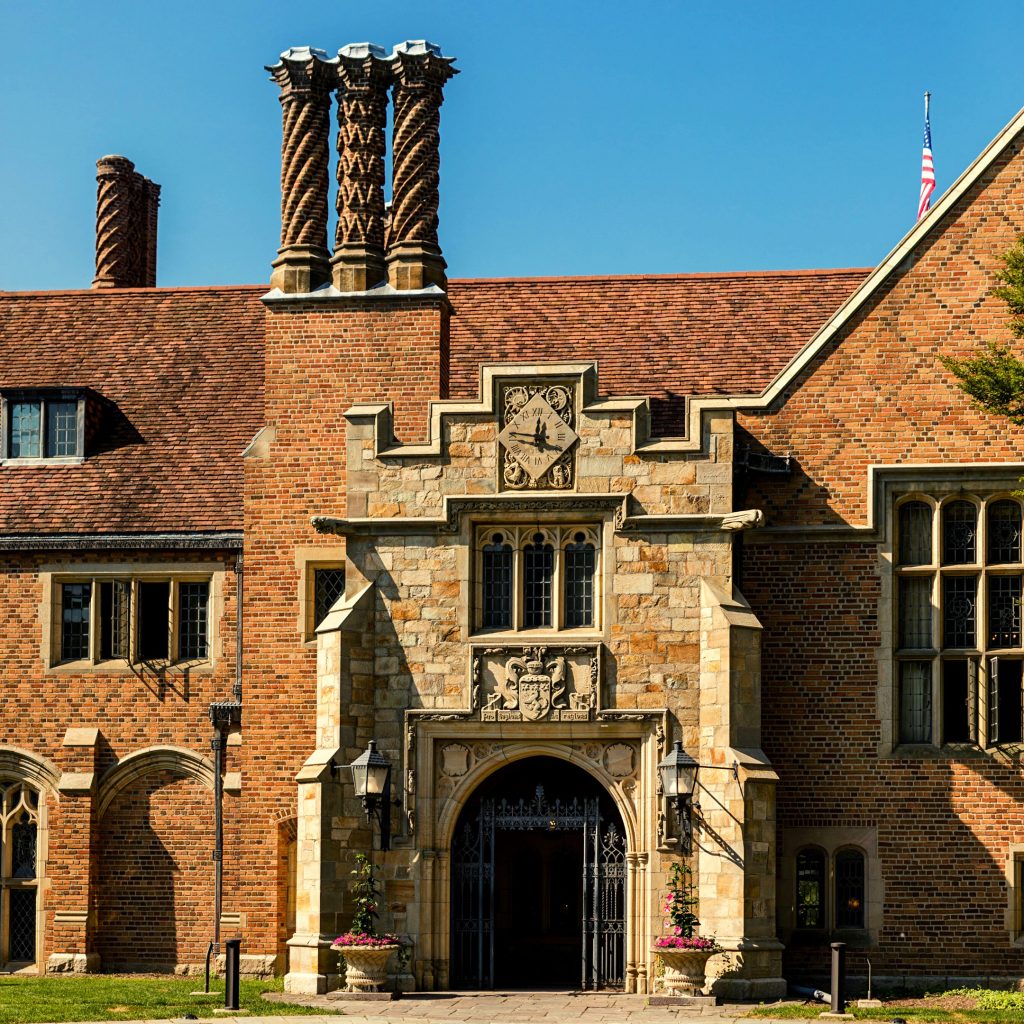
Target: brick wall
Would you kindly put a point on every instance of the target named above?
(944, 821)
(319, 361)
(155, 884)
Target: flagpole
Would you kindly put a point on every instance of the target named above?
(927, 101)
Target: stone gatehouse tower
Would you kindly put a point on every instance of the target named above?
(525, 535)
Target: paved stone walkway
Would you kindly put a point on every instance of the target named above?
(495, 1008)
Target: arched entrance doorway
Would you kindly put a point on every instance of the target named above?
(538, 881)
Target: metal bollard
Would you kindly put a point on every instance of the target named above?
(838, 977)
(231, 966)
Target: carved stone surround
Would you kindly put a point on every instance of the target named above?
(448, 760)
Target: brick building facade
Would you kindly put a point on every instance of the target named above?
(524, 534)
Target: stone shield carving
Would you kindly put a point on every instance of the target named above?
(535, 684)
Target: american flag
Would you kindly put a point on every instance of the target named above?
(927, 165)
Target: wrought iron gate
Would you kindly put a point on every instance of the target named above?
(603, 925)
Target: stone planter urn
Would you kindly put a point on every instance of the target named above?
(366, 967)
(684, 969)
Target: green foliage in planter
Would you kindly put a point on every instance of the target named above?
(365, 896)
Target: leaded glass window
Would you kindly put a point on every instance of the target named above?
(61, 429)
(580, 559)
(42, 428)
(915, 533)
(497, 583)
(849, 889)
(134, 619)
(959, 533)
(76, 599)
(915, 701)
(530, 577)
(328, 586)
(1004, 524)
(26, 430)
(19, 829)
(193, 615)
(1004, 595)
(538, 568)
(915, 612)
(959, 611)
(956, 616)
(810, 889)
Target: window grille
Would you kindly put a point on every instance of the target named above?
(193, 616)
(580, 560)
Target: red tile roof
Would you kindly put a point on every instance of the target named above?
(183, 371)
(663, 336)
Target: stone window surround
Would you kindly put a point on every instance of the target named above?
(558, 531)
(307, 561)
(34, 883)
(43, 395)
(935, 490)
(887, 486)
(831, 840)
(52, 577)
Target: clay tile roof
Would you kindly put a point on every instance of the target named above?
(182, 370)
(663, 336)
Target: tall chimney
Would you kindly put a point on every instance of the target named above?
(126, 220)
(364, 75)
(413, 255)
(306, 80)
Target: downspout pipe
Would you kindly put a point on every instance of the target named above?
(224, 715)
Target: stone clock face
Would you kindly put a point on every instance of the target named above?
(536, 436)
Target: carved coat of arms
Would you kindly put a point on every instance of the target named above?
(535, 686)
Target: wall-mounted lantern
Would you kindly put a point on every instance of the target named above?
(678, 774)
(371, 777)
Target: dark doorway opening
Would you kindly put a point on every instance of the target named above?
(538, 882)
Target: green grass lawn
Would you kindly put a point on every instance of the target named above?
(26, 999)
(990, 1007)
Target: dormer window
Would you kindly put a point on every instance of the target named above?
(43, 426)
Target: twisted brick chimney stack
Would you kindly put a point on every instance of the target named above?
(306, 79)
(371, 248)
(413, 254)
(126, 218)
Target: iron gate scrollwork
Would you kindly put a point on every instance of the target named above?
(603, 925)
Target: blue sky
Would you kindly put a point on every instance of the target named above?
(582, 137)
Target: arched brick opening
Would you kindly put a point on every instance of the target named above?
(155, 880)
